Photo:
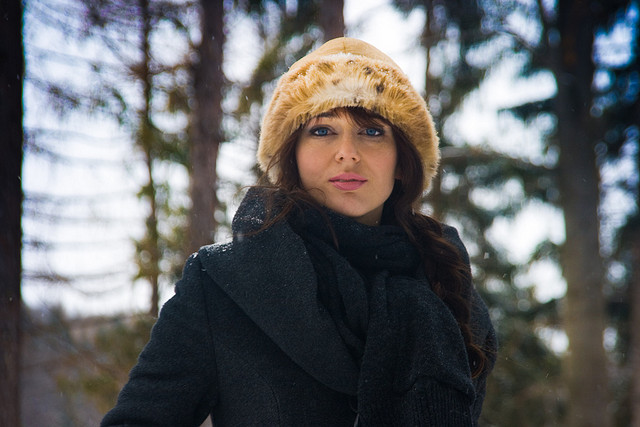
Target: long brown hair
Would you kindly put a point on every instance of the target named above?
(445, 267)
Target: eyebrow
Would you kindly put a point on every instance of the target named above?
(327, 114)
(334, 113)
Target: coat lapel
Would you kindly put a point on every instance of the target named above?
(270, 277)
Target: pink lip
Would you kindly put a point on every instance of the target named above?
(348, 181)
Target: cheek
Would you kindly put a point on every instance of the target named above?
(307, 165)
(397, 172)
(392, 166)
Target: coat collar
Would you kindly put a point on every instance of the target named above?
(270, 277)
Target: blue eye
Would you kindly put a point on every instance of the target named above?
(320, 131)
(373, 132)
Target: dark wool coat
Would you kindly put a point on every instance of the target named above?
(244, 338)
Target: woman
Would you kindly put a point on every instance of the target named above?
(336, 303)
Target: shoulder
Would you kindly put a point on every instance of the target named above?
(197, 260)
(199, 267)
(207, 259)
(214, 250)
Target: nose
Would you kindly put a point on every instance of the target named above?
(347, 150)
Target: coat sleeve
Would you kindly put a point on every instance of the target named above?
(173, 383)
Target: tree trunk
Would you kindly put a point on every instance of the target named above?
(634, 304)
(11, 75)
(147, 142)
(632, 233)
(206, 135)
(331, 18)
(428, 41)
(634, 350)
(584, 321)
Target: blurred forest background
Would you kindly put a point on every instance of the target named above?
(128, 128)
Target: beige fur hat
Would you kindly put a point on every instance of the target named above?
(347, 72)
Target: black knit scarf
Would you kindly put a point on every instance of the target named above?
(413, 364)
(346, 256)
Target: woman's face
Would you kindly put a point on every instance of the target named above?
(347, 167)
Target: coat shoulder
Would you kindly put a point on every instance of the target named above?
(213, 254)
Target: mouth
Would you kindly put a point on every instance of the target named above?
(348, 181)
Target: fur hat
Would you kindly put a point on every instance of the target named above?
(347, 72)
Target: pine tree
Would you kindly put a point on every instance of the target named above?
(135, 90)
(206, 125)
(11, 75)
